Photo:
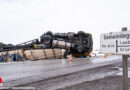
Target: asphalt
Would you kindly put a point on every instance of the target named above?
(44, 74)
(110, 82)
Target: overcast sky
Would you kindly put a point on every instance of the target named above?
(23, 20)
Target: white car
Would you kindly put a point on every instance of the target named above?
(96, 53)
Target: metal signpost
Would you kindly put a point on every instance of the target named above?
(117, 43)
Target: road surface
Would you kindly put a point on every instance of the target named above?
(60, 74)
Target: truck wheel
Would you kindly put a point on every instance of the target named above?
(81, 33)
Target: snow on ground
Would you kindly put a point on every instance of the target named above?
(121, 72)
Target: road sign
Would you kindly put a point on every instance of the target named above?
(115, 43)
(118, 43)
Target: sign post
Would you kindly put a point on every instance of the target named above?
(125, 68)
(117, 43)
(125, 72)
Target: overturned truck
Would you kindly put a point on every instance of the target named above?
(77, 44)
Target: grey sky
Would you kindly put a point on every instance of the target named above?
(23, 20)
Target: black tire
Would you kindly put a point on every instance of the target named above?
(82, 33)
(49, 33)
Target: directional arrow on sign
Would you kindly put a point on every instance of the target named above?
(116, 45)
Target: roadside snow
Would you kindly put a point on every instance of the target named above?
(121, 72)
